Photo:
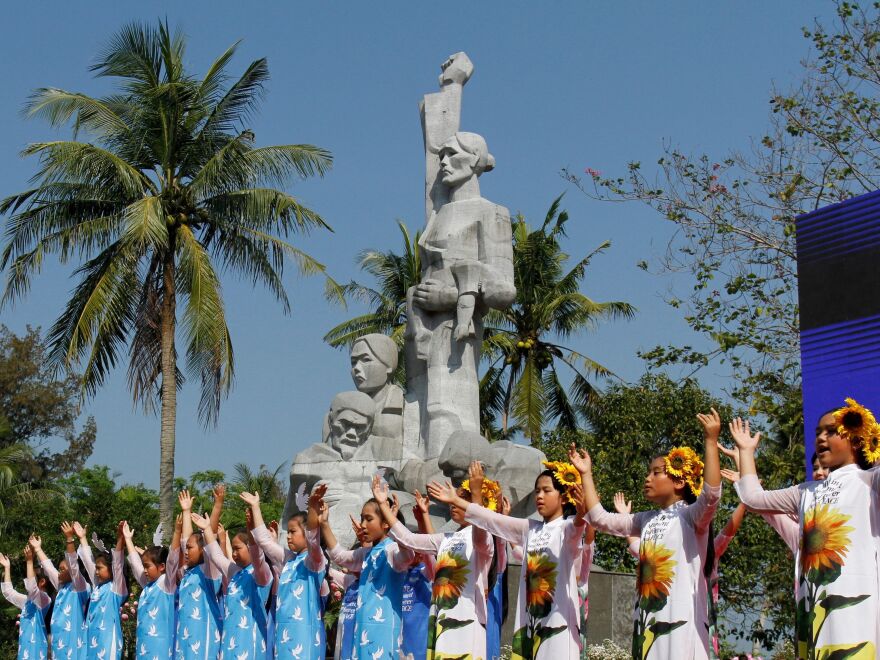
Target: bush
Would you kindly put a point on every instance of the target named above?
(607, 650)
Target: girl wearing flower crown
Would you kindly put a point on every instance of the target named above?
(547, 617)
(461, 573)
(837, 565)
(675, 549)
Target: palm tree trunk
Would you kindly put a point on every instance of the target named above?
(169, 396)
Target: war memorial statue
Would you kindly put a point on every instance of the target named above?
(432, 430)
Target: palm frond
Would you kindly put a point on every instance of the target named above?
(529, 400)
(58, 107)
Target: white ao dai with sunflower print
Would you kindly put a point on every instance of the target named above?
(838, 562)
(457, 623)
(547, 612)
(670, 621)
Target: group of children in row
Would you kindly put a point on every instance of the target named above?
(438, 595)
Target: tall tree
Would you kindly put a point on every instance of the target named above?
(523, 344)
(169, 189)
(36, 408)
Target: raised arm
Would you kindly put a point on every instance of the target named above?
(315, 560)
(134, 557)
(261, 535)
(76, 579)
(34, 594)
(172, 564)
(36, 543)
(215, 556)
(481, 538)
(617, 524)
(421, 514)
(84, 551)
(749, 489)
(505, 527)
(219, 496)
(701, 512)
(10, 594)
(120, 586)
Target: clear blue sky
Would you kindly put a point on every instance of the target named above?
(562, 84)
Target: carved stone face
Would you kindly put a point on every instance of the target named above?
(368, 373)
(348, 431)
(456, 164)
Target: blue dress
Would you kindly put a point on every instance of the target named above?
(103, 626)
(345, 623)
(68, 623)
(199, 617)
(495, 616)
(32, 641)
(244, 626)
(377, 626)
(155, 622)
(300, 625)
(415, 611)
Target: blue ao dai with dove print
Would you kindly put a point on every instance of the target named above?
(199, 615)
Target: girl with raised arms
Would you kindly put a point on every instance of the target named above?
(675, 549)
(34, 604)
(547, 618)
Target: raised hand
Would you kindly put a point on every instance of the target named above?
(577, 493)
(380, 489)
(505, 505)
(202, 522)
(80, 531)
(272, 526)
(732, 453)
(219, 492)
(249, 520)
(359, 530)
(741, 433)
(394, 505)
(621, 505)
(324, 514)
(186, 501)
(422, 504)
(35, 542)
(711, 424)
(28, 553)
(4, 561)
(316, 497)
(442, 492)
(120, 526)
(251, 499)
(476, 476)
(67, 531)
(127, 532)
(731, 475)
(580, 459)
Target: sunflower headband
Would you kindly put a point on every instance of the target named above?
(855, 422)
(490, 491)
(567, 475)
(684, 463)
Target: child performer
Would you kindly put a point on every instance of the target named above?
(156, 572)
(837, 566)
(109, 591)
(32, 642)
(676, 548)
(199, 615)
(547, 618)
(67, 626)
(416, 606)
(377, 623)
(249, 582)
(299, 628)
(464, 558)
(349, 583)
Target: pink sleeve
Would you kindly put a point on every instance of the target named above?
(315, 561)
(84, 552)
(120, 586)
(500, 550)
(586, 562)
(349, 559)
(36, 595)
(262, 570)
(510, 529)
(425, 543)
(721, 542)
(430, 571)
(701, 512)
(786, 526)
(634, 545)
(484, 544)
(399, 557)
(169, 584)
(76, 578)
(617, 524)
(516, 552)
(269, 545)
(50, 571)
(221, 562)
(753, 495)
(14, 597)
(137, 568)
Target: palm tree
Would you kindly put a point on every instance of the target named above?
(169, 190)
(395, 274)
(522, 383)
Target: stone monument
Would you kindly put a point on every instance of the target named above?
(432, 430)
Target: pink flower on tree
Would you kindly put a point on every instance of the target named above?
(593, 173)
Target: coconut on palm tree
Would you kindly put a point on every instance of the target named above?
(161, 188)
(522, 386)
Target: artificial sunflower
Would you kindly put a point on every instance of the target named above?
(678, 461)
(871, 444)
(551, 465)
(854, 420)
(490, 490)
(825, 540)
(655, 572)
(566, 474)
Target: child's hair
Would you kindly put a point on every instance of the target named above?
(158, 554)
(568, 509)
(104, 559)
(375, 503)
(401, 517)
(243, 537)
(301, 517)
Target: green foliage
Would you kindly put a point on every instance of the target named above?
(168, 189)
(36, 408)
